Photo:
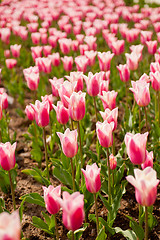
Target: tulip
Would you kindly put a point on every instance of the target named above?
(36, 52)
(83, 48)
(11, 63)
(36, 36)
(73, 210)
(149, 160)
(47, 50)
(41, 110)
(65, 45)
(136, 147)
(137, 49)
(76, 105)
(15, 49)
(81, 63)
(92, 84)
(154, 67)
(108, 99)
(31, 75)
(66, 89)
(51, 196)
(112, 162)
(69, 142)
(155, 80)
(67, 63)
(110, 116)
(61, 112)
(10, 226)
(141, 92)
(146, 36)
(75, 45)
(91, 42)
(52, 40)
(104, 133)
(76, 78)
(133, 60)
(152, 46)
(145, 183)
(55, 84)
(49, 99)
(118, 47)
(30, 112)
(55, 59)
(124, 72)
(92, 178)
(91, 57)
(105, 60)
(7, 162)
(4, 99)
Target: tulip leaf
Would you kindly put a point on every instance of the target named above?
(63, 176)
(137, 229)
(39, 223)
(37, 175)
(78, 233)
(34, 198)
(128, 234)
(101, 235)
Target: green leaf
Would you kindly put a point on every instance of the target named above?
(39, 223)
(101, 235)
(37, 175)
(137, 229)
(78, 233)
(152, 221)
(63, 176)
(105, 202)
(34, 198)
(128, 234)
(107, 227)
(119, 174)
(47, 218)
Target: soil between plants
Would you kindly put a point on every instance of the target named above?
(26, 184)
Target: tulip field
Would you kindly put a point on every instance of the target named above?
(79, 119)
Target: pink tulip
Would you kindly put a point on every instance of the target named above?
(31, 75)
(141, 92)
(49, 99)
(124, 72)
(75, 45)
(112, 162)
(133, 60)
(4, 99)
(155, 80)
(103, 86)
(76, 105)
(52, 40)
(149, 160)
(55, 84)
(7, 155)
(145, 183)
(91, 42)
(105, 60)
(80, 38)
(110, 116)
(118, 47)
(92, 84)
(47, 50)
(35, 38)
(5, 35)
(152, 46)
(11, 63)
(66, 89)
(32, 27)
(1, 112)
(65, 45)
(45, 64)
(92, 178)
(81, 63)
(76, 78)
(51, 197)
(137, 49)
(108, 99)
(136, 147)
(91, 57)
(44, 38)
(30, 112)
(15, 50)
(104, 76)
(146, 36)
(10, 226)
(154, 66)
(73, 210)
(7, 53)
(104, 133)
(55, 59)
(61, 112)
(41, 110)
(67, 63)
(83, 48)
(36, 52)
(69, 142)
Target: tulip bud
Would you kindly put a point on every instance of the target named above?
(7, 155)
(104, 133)
(112, 162)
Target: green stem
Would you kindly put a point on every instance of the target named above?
(112, 178)
(72, 235)
(145, 109)
(72, 127)
(12, 190)
(139, 120)
(6, 118)
(146, 223)
(159, 107)
(156, 105)
(45, 148)
(94, 98)
(113, 146)
(109, 178)
(126, 86)
(81, 154)
(96, 211)
(56, 228)
(0, 135)
(73, 180)
(140, 207)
